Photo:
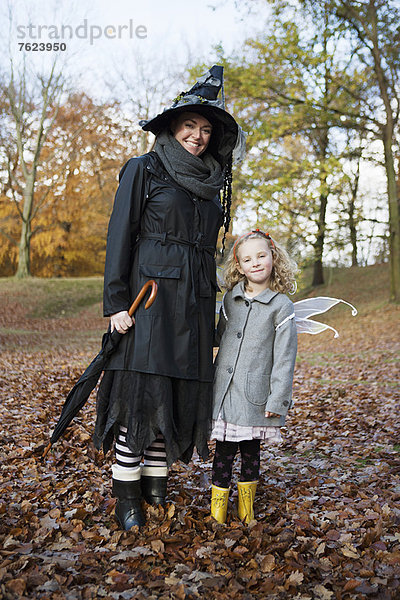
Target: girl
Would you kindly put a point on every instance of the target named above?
(254, 366)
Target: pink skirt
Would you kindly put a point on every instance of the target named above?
(229, 432)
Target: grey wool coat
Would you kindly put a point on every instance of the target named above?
(256, 358)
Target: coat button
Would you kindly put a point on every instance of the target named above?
(230, 370)
(285, 403)
(247, 303)
(239, 335)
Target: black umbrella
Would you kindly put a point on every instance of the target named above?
(81, 390)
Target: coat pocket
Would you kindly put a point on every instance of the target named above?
(168, 279)
(160, 271)
(257, 388)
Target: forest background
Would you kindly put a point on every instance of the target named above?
(315, 86)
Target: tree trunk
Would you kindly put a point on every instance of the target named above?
(394, 222)
(24, 266)
(353, 233)
(352, 221)
(318, 275)
(388, 139)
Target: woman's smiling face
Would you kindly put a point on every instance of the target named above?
(192, 131)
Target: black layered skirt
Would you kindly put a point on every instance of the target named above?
(147, 405)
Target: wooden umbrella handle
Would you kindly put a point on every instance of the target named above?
(46, 450)
(141, 295)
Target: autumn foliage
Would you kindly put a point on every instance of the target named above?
(328, 503)
(75, 185)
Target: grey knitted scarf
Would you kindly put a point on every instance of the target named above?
(200, 175)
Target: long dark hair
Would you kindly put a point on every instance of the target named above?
(227, 199)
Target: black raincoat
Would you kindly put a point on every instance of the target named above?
(159, 230)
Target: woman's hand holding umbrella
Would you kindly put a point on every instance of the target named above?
(82, 389)
(121, 321)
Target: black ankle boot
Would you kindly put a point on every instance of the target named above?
(128, 510)
(154, 484)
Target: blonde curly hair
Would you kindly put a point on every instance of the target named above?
(282, 278)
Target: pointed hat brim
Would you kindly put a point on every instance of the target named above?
(202, 99)
(213, 113)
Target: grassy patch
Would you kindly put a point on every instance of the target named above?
(355, 280)
(84, 345)
(52, 298)
(69, 298)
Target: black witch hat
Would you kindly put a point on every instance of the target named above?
(202, 98)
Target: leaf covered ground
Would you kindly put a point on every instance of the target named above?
(327, 508)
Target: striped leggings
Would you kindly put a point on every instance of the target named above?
(154, 455)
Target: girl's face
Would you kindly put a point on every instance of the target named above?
(192, 131)
(255, 261)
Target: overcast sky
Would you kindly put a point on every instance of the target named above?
(103, 35)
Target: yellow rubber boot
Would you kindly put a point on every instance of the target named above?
(246, 494)
(219, 503)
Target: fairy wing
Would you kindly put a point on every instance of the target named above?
(303, 309)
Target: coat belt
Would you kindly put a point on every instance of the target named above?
(204, 286)
(166, 237)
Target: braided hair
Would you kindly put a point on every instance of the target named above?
(227, 199)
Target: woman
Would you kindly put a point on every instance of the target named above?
(155, 397)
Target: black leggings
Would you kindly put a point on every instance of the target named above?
(225, 453)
